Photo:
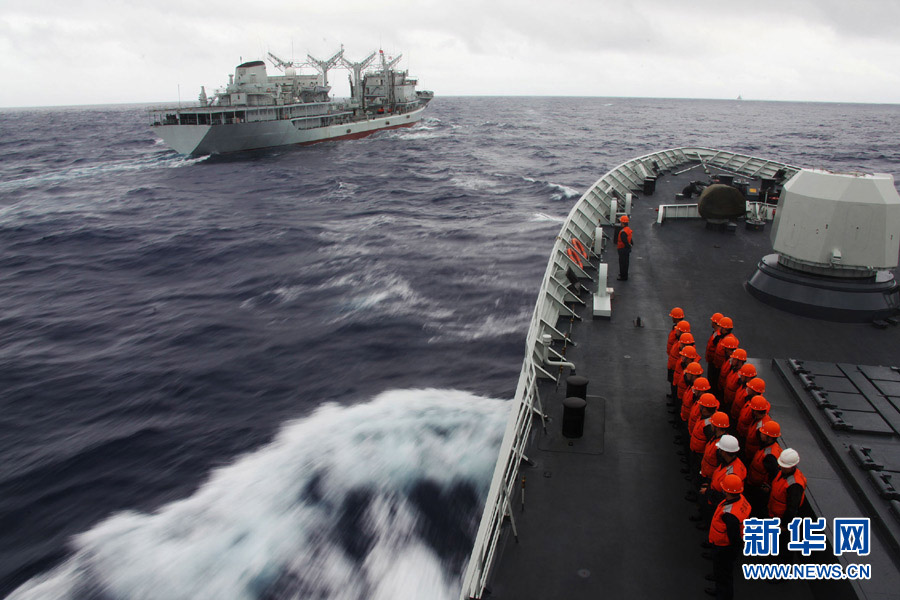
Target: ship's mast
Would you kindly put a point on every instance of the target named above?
(323, 66)
(385, 64)
(386, 69)
(357, 69)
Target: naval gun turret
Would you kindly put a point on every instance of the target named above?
(836, 238)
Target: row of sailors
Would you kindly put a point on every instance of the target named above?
(728, 492)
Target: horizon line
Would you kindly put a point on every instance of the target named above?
(573, 96)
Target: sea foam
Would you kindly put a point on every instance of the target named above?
(326, 510)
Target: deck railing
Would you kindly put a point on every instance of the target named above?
(598, 206)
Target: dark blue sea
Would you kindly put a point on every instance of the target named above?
(286, 373)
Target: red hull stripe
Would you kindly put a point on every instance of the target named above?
(357, 135)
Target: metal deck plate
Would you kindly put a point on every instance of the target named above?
(614, 524)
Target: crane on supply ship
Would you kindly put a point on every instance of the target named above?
(356, 68)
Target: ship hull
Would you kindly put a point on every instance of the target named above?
(237, 137)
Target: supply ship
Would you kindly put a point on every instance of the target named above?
(258, 110)
(590, 497)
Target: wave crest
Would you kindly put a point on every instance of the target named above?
(352, 502)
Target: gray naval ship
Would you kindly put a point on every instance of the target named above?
(588, 496)
(258, 110)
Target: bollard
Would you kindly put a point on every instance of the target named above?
(573, 417)
(576, 387)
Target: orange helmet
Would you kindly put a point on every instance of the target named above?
(726, 323)
(759, 403)
(694, 368)
(729, 341)
(708, 400)
(747, 370)
(757, 385)
(739, 353)
(676, 313)
(624, 218)
(686, 338)
(701, 384)
(715, 318)
(770, 428)
(732, 484)
(683, 327)
(720, 419)
(689, 352)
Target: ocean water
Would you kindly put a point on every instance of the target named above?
(285, 373)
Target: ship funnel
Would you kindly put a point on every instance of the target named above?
(836, 238)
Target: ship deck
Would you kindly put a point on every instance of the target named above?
(604, 516)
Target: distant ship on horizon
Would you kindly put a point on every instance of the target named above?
(256, 110)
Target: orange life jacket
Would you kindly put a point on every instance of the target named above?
(752, 443)
(735, 466)
(778, 495)
(727, 370)
(673, 337)
(620, 243)
(698, 438)
(718, 532)
(740, 399)
(711, 347)
(757, 474)
(710, 458)
(694, 416)
(745, 421)
(732, 382)
(674, 355)
(681, 384)
(687, 403)
(678, 377)
(719, 357)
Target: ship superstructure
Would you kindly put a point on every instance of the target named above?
(259, 110)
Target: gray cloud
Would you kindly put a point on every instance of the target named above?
(815, 50)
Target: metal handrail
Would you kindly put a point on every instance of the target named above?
(601, 202)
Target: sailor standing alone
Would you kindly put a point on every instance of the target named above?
(623, 244)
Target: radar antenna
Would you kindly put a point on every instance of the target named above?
(323, 66)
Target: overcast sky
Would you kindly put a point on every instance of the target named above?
(59, 52)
